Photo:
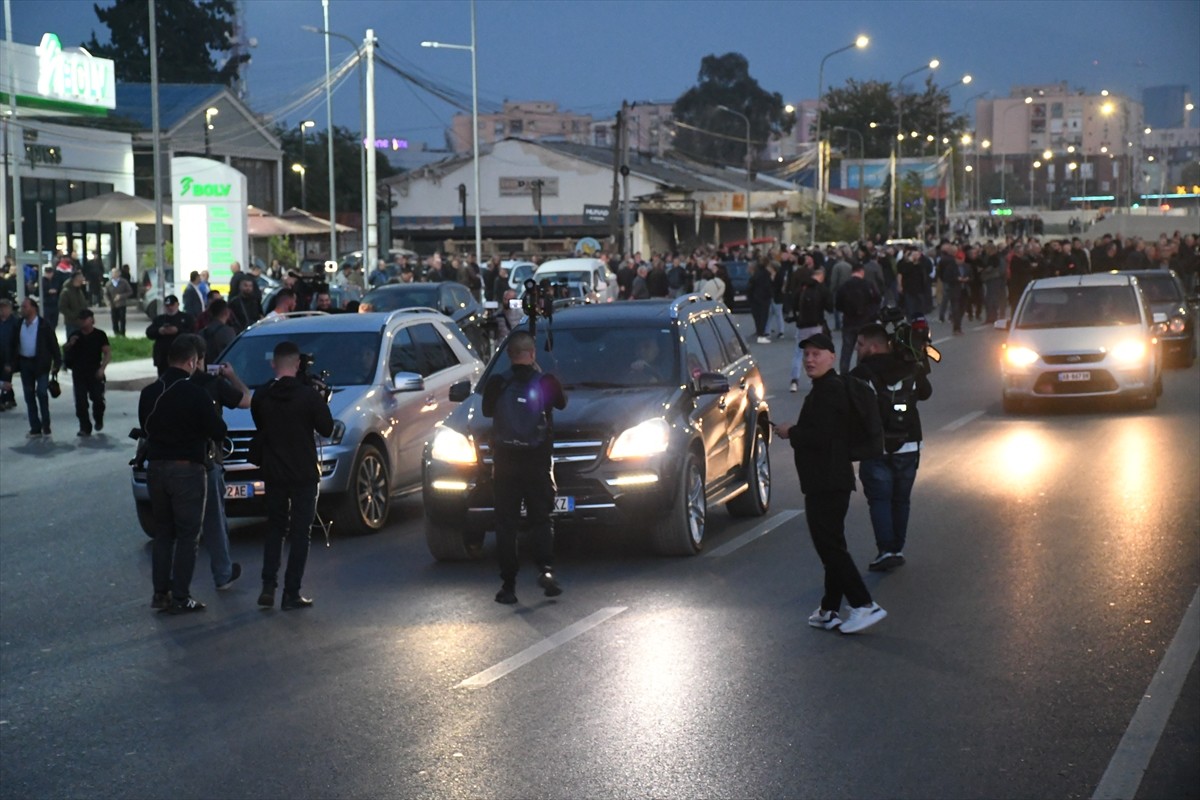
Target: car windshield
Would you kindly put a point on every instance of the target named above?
(572, 276)
(604, 357)
(1160, 288)
(390, 300)
(1080, 307)
(350, 357)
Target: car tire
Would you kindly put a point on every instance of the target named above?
(681, 532)
(756, 500)
(452, 542)
(1012, 405)
(145, 519)
(152, 309)
(365, 506)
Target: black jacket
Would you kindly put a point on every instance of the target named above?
(179, 419)
(820, 438)
(885, 370)
(182, 322)
(49, 354)
(286, 412)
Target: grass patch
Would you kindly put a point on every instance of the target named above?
(126, 349)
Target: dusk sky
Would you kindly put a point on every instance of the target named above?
(589, 55)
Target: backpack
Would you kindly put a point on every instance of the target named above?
(520, 419)
(897, 404)
(865, 423)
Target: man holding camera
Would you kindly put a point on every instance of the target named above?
(287, 412)
(179, 421)
(888, 479)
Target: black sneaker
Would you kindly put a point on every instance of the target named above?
(293, 601)
(46, 432)
(267, 598)
(233, 576)
(185, 606)
(506, 595)
(160, 600)
(881, 562)
(84, 434)
(546, 581)
(99, 425)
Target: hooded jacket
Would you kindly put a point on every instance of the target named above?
(286, 412)
(820, 438)
(884, 370)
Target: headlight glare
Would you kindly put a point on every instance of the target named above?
(644, 439)
(1129, 352)
(1020, 356)
(452, 447)
(1176, 325)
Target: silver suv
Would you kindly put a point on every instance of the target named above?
(390, 374)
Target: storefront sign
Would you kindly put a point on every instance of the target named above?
(209, 210)
(43, 154)
(595, 215)
(523, 187)
(50, 78)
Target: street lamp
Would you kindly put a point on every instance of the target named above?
(304, 125)
(209, 113)
(749, 180)
(474, 132)
(1004, 155)
(862, 155)
(860, 43)
(300, 170)
(899, 214)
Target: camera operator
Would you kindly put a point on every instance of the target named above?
(521, 401)
(226, 390)
(178, 420)
(287, 412)
(887, 481)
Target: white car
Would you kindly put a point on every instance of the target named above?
(584, 277)
(1083, 336)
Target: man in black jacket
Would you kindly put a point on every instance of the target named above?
(35, 354)
(820, 440)
(858, 301)
(286, 414)
(179, 421)
(167, 327)
(888, 480)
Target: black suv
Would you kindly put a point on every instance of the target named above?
(666, 414)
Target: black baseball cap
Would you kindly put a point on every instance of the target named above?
(819, 340)
(171, 300)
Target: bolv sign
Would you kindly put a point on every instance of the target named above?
(208, 202)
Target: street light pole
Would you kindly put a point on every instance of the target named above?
(862, 155)
(1004, 155)
(304, 125)
(301, 171)
(209, 113)
(819, 186)
(329, 139)
(897, 197)
(474, 133)
(749, 181)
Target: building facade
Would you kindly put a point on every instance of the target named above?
(532, 120)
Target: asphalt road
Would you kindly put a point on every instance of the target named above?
(1036, 644)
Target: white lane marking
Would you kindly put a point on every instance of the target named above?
(936, 342)
(749, 536)
(495, 673)
(961, 421)
(1129, 762)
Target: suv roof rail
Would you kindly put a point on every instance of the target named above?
(289, 315)
(685, 300)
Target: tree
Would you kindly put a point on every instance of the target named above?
(708, 133)
(858, 104)
(347, 180)
(190, 33)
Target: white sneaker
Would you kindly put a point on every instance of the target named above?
(828, 620)
(863, 617)
(764, 340)
(795, 387)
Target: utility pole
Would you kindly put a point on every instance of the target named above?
(15, 148)
(156, 135)
(625, 231)
(615, 206)
(371, 247)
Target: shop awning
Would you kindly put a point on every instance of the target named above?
(112, 207)
(262, 224)
(312, 224)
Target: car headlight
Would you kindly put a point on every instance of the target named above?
(644, 439)
(1177, 325)
(339, 431)
(1020, 356)
(452, 447)
(1130, 351)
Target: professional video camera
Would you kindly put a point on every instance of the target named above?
(910, 340)
(319, 381)
(539, 299)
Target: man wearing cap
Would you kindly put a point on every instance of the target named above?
(87, 354)
(820, 441)
(165, 328)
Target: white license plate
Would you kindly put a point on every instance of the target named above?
(239, 491)
(1065, 377)
(564, 505)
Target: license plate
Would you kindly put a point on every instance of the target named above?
(239, 491)
(1065, 377)
(564, 505)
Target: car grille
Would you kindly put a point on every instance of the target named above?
(1101, 381)
(1074, 358)
(578, 452)
(237, 451)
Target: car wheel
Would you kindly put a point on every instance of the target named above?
(1012, 405)
(755, 501)
(145, 518)
(365, 507)
(152, 309)
(452, 542)
(681, 533)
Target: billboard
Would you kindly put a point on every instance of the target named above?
(876, 171)
(208, 202)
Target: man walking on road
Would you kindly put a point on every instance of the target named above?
(87, 354)
(820, 441)
(35, 353)
(858, 301)
(117, 292)
(888, 480)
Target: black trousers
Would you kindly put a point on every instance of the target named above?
(88, 387)
(825, 513)
(528, 477)
(118, 320)
(290, 513)
(177, 495)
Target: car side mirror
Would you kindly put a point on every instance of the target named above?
(1001, 325)
(460, 391)
(407, 382)
(710, 383)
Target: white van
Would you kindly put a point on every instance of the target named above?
(585, 277)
